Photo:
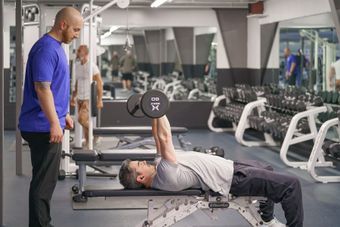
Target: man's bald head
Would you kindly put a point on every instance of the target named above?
(67, 14)
(67, 25)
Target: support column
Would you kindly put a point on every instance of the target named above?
(2, 111)
(335, 11)
(142, 53)
(154, 46)
(185, 43)
(19, 82)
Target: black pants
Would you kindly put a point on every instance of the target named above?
(45, 159)
(252, 178)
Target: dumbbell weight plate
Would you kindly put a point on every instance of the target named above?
(154, 104)
(133, 104)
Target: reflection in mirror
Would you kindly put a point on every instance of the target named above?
(312, 45)
(179, 61)
(307, 53)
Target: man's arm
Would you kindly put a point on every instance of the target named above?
(165, 139)
(74, 94)
(292, 68)
(99, 81)
(331, 77)
(46, 100)
(155, 136)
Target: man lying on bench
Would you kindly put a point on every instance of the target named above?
(178, 171)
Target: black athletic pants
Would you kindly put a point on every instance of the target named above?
(252, 178)
(45, 159)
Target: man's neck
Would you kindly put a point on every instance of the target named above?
(148, 184)
(83, 62)
(56, 35)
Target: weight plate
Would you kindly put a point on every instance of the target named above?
(133, 106)
(154, 104)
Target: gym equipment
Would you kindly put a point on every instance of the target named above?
(166, 208)
(85, 158)
(212, 151)
(153, 104)
(322, 147)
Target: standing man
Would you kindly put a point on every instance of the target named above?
(334, 76)
(44, 111)
(127, 66)
(291, 68)
(82, 88)
(114, 65)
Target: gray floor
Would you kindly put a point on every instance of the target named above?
(321, 201)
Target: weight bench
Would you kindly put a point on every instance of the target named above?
(166, 208)
(85, 158)
(133, 143)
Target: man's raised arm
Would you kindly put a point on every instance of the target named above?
(164, 136)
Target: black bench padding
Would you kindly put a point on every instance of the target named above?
(132, 130)
(113, 155)
(85, 155)
(121, 155)
(106, 192)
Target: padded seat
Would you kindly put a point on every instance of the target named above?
(95, 191)
(121, 155)
(85, 155)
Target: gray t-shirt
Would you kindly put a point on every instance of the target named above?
(194, 170)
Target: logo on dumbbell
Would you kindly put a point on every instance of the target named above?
(155, 103)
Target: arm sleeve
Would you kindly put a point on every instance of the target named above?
(43, 64)
(95, 69)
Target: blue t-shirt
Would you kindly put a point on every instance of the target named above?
(47, 62)
(289, 61)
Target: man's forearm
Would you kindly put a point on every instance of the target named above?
(155, 136)
(165, 139)
(99, 81)
(46, 100)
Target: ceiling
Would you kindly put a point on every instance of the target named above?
(147, 3)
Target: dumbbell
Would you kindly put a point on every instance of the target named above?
(153, 104)
(212, 151)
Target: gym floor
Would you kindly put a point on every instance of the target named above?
(321, 201)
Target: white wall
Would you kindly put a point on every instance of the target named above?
(204, 30)
(254, 43)
(274, 57)
(314, 21)
(9, 14)
(280, 10)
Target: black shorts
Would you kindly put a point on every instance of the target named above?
(127, 76)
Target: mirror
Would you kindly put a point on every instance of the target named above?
(162, 55)
(313, 43)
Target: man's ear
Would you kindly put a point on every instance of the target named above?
(140, 178)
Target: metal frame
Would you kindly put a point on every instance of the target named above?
(244, 124)
(1, 112)
(318, 153)
(212, 116)
(174, 209)
(292, 137)
(19, 82)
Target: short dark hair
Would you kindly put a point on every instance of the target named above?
(128, 176)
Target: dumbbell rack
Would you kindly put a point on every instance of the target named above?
(293, 137)
(212, 116)
(316, 158)
(244, 124)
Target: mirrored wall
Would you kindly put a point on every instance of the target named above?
(176, 53)
(308, 48)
